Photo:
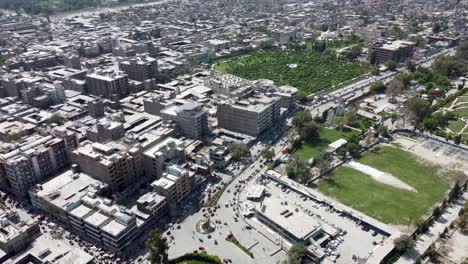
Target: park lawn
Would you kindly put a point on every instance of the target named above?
(383, 202)
(308, 150)
(314, 72)
(462, 99)
(456, 126)
(461, 112)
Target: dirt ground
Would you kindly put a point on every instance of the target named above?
(437, 153)
(455, 249)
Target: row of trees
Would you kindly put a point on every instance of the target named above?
(453, 66)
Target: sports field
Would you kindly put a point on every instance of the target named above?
(383, 202)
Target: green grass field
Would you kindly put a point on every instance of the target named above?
(456, 126)
(383, 202)
(462, 99)
(461, 112)
(309, 149)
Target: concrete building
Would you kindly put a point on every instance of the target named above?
(153, 203)
(283, 36)
(106, 130)
(72, 61)
(15, 234)
(217, 45)
(96, 108)
(175, 183)
(288, 95)
(63, 193)
(191, 118)
(251, 117)
(107, 84)
(219, 156)
(156, 103)
(99, 220)
(112, 163)
(382, 51)
(35, 159)
(140, 68)
(162, 155)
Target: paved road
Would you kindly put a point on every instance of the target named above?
(424, 241)
(330, 100)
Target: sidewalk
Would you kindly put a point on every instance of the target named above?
(424, 241)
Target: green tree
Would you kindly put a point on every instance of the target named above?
(410, 65)
(394, 87)
(238, 151)
(157, 246)
(301, 118)
(353, 149)
(340, 121)
(56, 119)
(375, 70)
(378, 87)
(437, 212)
(310, 131)
(432, 253)
(449, 66)
(404, 243)
(429, 124)
(268, 153)
(296, 253)
(462, 221)
(391, 65)
(342, 153)
(462, 50)
(322, 161)
(417, 109)
(290, 171)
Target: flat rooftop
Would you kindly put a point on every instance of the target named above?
(67, 188)
(50, 250)
(114, 228)
(307, 226)
(96, 219)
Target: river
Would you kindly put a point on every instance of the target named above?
(98, 10)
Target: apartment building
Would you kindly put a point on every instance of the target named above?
(283, 36)
(382, 51)
(103, 222)
(140, 68)
(251, 117)
(218, 45)
(107, 84)
(106, 130)
(288, 95)
(33, 159)
(62, 193)
(174, 184)
(162, 155)
(191, 118)
(112, 163)
(153, 203)
(15, 234)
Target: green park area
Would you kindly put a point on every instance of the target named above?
(386, 203)
(309, 149)
(306, 69)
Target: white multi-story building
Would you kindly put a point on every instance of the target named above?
(162, 155)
